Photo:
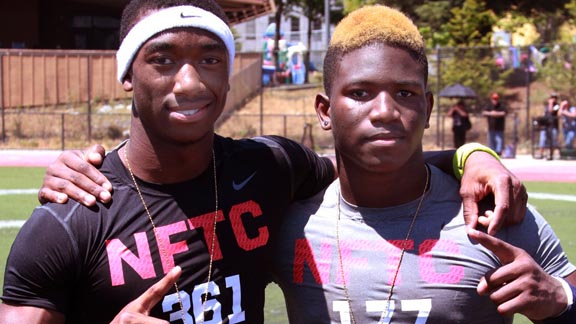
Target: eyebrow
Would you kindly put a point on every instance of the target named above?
(157, 46)
(411, 83)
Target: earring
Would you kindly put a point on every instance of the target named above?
(325, 123)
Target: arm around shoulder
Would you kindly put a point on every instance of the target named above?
(10, 314)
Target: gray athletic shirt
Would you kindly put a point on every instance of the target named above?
(439, 273)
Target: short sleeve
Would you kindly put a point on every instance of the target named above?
(41, 263)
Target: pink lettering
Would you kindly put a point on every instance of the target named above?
(320, 267)
(167, 249)
(393, 253)
(206, 222)
(426, 262)
(118, 252)
(346, 248)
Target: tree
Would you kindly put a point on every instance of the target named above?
(470, 25)
(559, 72)
(470, 59)
(432, 16)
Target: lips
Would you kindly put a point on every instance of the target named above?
(388, 136)
(188, 114)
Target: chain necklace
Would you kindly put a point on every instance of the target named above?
(404, 244)
(161, 244)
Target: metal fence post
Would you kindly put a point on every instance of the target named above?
(438, 79)
(2, 98)
(261, 90)
(62, 131)
(89, 99)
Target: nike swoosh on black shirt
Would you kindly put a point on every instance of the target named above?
(240, 185)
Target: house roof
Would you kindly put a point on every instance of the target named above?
(237, 10)
(242, 10)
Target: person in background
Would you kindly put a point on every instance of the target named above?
(402, 254)
(495, 113)
(460, 123)
(568, 114)
(549, 133)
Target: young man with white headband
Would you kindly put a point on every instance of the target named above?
(184, 197)
(185, 200)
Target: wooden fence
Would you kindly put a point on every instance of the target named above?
(41, 78)
(56, 78)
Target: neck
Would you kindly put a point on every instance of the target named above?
(385, 188)
(165, 163)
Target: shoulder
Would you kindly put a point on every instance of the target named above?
(232, 147)
(442, 183)
(272, 149)
(536, 236)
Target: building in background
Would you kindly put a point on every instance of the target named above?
(255, 35)
(86, 24)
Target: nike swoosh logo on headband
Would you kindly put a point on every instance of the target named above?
(184, 15)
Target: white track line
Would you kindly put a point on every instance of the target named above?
(19, 223)
(18, 191)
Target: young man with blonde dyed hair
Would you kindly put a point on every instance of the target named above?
(386, 242)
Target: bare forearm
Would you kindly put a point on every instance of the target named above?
(10, 314)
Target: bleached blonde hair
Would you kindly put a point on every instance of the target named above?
(371, 25)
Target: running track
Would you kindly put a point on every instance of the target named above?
(524, 166)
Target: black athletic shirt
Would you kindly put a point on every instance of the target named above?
(88, 263)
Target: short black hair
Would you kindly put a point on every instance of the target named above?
(135, 10)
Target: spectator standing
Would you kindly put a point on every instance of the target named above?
(460, 123)
(495, 114)
(568, 114)
(549, 134)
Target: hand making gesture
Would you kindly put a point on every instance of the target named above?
(520, 285)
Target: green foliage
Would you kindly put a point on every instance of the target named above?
(470, 25)
(513, 22)
(431, 17)
(351, 5)
(471, 61)
(548, 23)
(474, 68)
(571, 9)
(559, 70)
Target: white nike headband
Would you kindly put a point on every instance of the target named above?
(173, 17)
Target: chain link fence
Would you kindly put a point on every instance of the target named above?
(520, 75)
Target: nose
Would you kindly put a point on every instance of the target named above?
(383, 108)
(187, 80)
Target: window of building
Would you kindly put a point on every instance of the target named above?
(294, 29)
(317, 30)
(251, 29)
(317, 24)
(95, 32)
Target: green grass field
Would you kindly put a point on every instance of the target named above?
(19, 206)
